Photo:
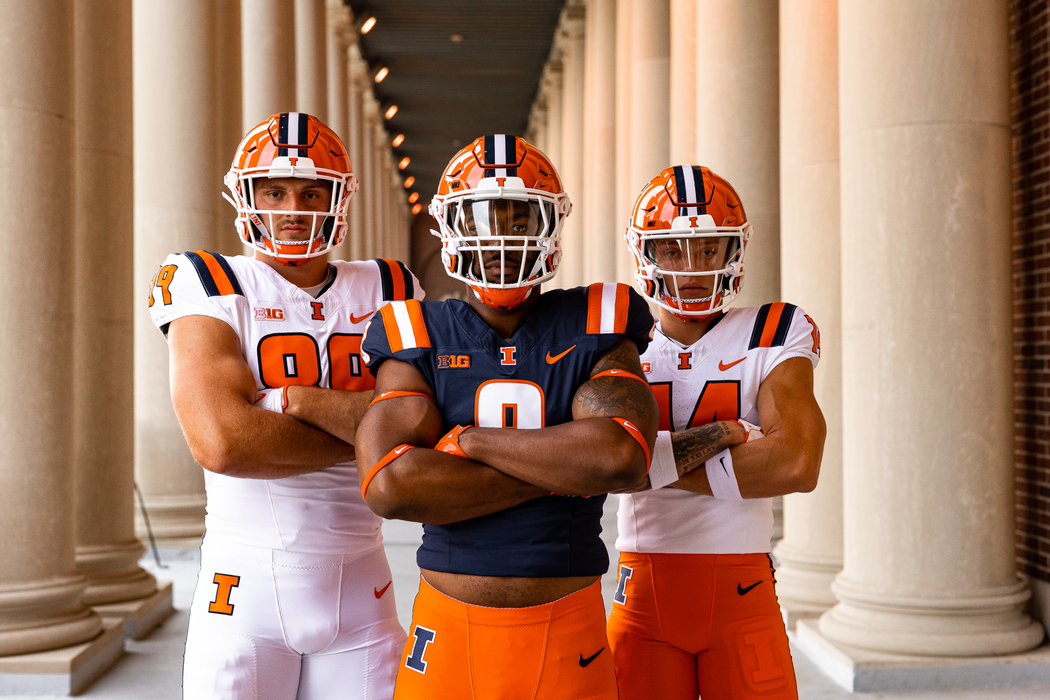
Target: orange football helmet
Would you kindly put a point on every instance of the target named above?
(291, 144)
(500, 207)
(688, 232)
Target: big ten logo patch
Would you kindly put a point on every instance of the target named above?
(453, 361)
(264, 314)
(225, 584)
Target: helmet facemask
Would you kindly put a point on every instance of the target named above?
(501, 238)
(291, 145)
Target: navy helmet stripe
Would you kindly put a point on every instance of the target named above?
(689, 185)
(501, 149)
(282, 134)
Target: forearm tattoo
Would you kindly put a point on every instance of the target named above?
(695, 446)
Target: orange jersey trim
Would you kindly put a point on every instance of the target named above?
(397, 279)
(770, 328)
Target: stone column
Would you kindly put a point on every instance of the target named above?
(175, 208)
(369, 181)
(355, 245)
(338, 28)
(103, 388)
(552, 77)
(650, 69)
(602, 229)
(536, 133)
(810, 554)
(737, 122)
(268, 59)
(230, 117)
(311, 58)
(40, 587)
(683, 97)
(927, 363)
(572, 130)
(626, 192)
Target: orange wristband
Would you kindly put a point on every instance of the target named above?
(387, 459)
(395, 394)
(620, 373)
(637, 435)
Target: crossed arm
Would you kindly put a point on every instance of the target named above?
(589, 455)
(213, 390)
(786, 460)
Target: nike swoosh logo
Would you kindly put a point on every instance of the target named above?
(379, 593)
(358, 319)
(401, 449)
(585, 662)
(731, 364)
(552, 359)
(744, 591)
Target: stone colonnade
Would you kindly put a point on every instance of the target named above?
(899, 250)
(119, 125)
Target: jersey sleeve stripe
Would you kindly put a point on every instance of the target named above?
(620, 310)
(607, 305)
(410, 287)
(768, 325)
(393, 277)
(419, 326)
(780, 337)
(393, 333)
(216, 276)
(405, 328)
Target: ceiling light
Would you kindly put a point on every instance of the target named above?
(409, 182)
(404, 163)
(412, 198)
(391, 111)
(381, 73)
(398, 140)
(367, 25)
(456, 38)
(418, 208)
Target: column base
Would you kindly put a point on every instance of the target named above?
(861, 670)
(65, 671)
(113, 574)
(804, 583)
(172, 517)
(140, 617)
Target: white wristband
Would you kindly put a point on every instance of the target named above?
(663, 470)
(272, 399)
(722, 478)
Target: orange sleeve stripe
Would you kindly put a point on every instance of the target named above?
(637, 435)
(594, 308)
(393, 333)
(620, 373)
(621, 308)
(222, 281)
(394, 394)
(387, 459)
(419, 326)
(772, 321)
(397, 278)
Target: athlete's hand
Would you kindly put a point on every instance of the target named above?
(450, 441)
(275, 399)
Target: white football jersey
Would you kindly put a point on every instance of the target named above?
(717, 378)
(287, 337)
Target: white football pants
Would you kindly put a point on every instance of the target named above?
(272, 625)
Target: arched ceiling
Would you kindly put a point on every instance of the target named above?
(458, 69)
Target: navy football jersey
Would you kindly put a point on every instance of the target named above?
(526, 381)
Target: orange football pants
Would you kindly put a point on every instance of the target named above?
(556, 651)
(684, 625)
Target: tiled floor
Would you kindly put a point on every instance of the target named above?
(151, 669)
